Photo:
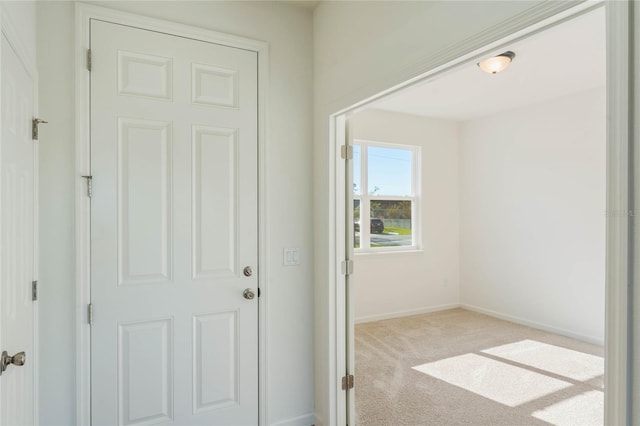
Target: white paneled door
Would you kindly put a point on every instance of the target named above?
(174, 226)
(17, 249)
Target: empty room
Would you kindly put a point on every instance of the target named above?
(479, 283)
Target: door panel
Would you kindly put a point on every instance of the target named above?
(145, 372)
(173, 224)
(215, 379)
(17, 249)
(215, 183)
(144, 196)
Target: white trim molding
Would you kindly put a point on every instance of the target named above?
(365, 198)
(619, 209)
(406, 313)
(84, 13)
(304, 420)
(595, 340)
(538, 18)
(633, 108)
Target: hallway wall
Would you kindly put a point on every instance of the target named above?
(288, 30)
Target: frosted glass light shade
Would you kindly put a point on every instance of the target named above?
(498, 63)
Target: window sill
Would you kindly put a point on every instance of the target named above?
(412, 250)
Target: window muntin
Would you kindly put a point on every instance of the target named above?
(390, 204)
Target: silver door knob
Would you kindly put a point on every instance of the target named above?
(249, 294)
(247, 271)
(18, 360)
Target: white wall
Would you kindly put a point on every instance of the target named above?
(403, 283)
(360, 49)
(527, 236)
(533, 186)
(288, 30)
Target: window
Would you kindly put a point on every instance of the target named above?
(385, 196)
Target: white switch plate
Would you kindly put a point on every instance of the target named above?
(291, 256)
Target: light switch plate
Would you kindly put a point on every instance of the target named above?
(291, 256)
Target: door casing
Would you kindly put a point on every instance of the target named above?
(619, 207)
(84, 13)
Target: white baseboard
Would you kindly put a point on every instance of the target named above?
(406, 313)
(534, 324)
(304, 420)
(319, 421)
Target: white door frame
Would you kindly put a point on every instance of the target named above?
(11, 32)
(619, 208)
(84, 13)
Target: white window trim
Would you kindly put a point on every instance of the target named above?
(365, 198)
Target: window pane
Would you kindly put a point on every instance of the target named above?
(356, 169)
(356, 223)
(390, 223)
(389, 171)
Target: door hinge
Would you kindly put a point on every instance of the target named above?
(90, 313)
(347, 267)
(34, 290)
(347, 382)
(89, 59)
(35, 122)
(346, 152)
(89, 179)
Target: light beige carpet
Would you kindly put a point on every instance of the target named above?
(458, 367)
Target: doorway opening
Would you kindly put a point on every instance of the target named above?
(507, 201)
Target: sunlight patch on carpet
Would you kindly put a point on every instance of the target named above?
(586, 409)
(493, 379)
(564, 362)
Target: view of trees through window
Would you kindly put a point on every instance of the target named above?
(389, 202)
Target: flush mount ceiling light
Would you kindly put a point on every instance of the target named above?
(498, 63)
